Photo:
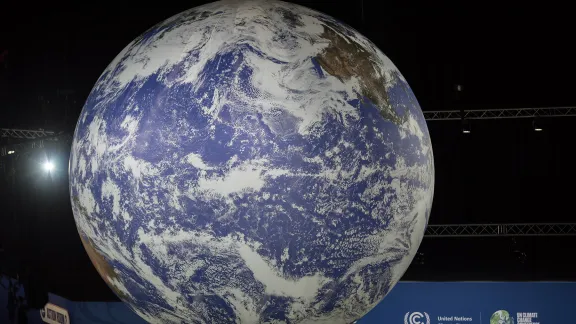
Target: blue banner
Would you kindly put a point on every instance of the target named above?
(407, 303)
(477, 303)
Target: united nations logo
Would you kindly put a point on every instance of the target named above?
(416, 318)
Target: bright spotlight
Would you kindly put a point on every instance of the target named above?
(48, 166)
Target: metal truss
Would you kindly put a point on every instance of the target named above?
(500, 113)
(495, 230)
(24, 133)
(26, 140)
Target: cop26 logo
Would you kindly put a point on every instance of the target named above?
(501, 317)
(416, 318)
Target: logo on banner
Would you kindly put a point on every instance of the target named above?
(527, 318)
(504, 317)
(53, 314)
(501, 317)
(417, 318)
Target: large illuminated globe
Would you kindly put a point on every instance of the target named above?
(251, 162)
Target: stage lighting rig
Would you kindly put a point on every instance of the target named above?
(537, 125)
(466, 129)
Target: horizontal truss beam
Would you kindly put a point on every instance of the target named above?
(24, 133)
(27, 140)
(496, 230)
(500, 113)
(37, 136)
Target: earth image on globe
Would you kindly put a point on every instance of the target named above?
(251, 162)
(501, 317)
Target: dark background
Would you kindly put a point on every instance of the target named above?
(504, 56)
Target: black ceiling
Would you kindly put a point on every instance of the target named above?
(504, 57)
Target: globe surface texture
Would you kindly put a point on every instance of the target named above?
(501, 317)
(251, 162)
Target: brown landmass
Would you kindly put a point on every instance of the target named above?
(98, 260)
(345, 58)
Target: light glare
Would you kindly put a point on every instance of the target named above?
(48, 166)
